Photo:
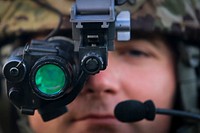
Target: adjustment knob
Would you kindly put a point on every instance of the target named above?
(92, 63)
(14, 71)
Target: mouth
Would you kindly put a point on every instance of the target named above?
(97, 119)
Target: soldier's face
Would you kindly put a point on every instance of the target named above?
(139, 70)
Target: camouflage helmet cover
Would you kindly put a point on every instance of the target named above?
(28, 16)
(180, 17)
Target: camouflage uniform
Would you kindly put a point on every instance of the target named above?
(180, 19)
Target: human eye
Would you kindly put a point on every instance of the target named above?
(134, 52)
(137, 53)
(135, 56)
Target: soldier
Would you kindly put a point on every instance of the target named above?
(160, 62)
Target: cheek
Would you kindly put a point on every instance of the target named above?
(39, 126)
(58, 125)
(155, 82)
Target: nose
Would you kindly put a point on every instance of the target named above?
(106, 81)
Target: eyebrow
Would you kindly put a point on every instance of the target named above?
(127, 44)
(152, 37)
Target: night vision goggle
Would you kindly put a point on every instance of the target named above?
(49, 74)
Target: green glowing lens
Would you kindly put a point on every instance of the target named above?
(50, 79)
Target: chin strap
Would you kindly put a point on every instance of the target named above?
(188, 84)
(195, 128)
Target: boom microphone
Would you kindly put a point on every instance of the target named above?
(132, 111)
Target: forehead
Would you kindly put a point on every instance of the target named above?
(156, 42)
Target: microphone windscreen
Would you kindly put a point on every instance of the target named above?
(132, 111)
(129, 111)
